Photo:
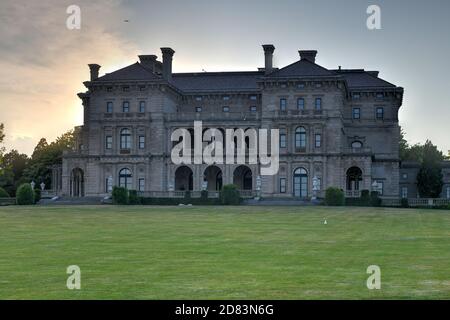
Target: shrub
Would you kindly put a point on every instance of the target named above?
(334, 197)
(187, 195)
(133, 197)
(230, 195)
(120, 195)
(204, 194)
(375, 200)
(25, 194)
(404, 203)
(37, 195)
(3, 193)
(365, 198)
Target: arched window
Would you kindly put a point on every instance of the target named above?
(125, 139)
(300, 138)
(125, 178)
(300, 183)
(357, 144)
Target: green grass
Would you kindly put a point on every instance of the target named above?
(137, 252)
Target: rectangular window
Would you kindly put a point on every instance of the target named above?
(141, 88)
(126, 106)
(109, 107)
(301, 85)
(141, 142)
(108, 184)
(405, 176)
(356, 113)
(226, 98)
(380, 95)
(109, 89)
(318, 140)
(142, 106)
(405, 192)
(198, 98)
(380, 113)
(226, 109)
(198, 109)
(448, 192)
(108, 142)
(318, 104)
(356, 96)
(253, 109)
(141, 184)
(282, 185)
(300, 104)
(253, 97)
(283, 140)
(126, 89)
(379, 187)
(283, 104)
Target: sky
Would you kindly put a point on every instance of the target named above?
(43, 63)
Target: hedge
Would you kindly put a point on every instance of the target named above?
(230, 195)
(25, 194)
(3, 193)
(334, 197)
(120, 195)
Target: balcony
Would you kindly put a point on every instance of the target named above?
(297, 114)
(358, 150)
(220, 116)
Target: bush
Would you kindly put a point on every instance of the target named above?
(25, 194)
(187, 195)
(120, 195)
(133, 197)
(37, 195)
(334, 197)
(3, 193)
(204, 194)
(230, 195)
(375, 200)
(365, 198)
(404, 203)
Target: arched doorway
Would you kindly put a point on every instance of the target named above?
(77, 183)
(213, 175)
(354, 179)
(183, 179)
(300, 183)
(242, 178)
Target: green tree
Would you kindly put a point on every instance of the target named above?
(430, 178)
(13, 166)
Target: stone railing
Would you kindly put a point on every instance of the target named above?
(297, 114)
(352, 193)
(7, 201)
(193, 194)
(222, 116)
(416, 202)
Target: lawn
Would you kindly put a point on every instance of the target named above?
(137, 252)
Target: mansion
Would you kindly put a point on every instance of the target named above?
(337, 127)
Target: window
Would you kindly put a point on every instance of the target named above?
(253, 97)
(380, 95)
(356, 113)
(108, 184)
(109, 89)
(283, 140)
(283, 104)
(198, 109)
(125, 178)
(142, 106)
(126, 89)
(126, 106)
(318, 85)
(226, 109)
(141, 88)
(141, 184)
(318, 140)
(405, 176)
(380, 113)
(198, 98)
(108, 142)
(405, 192)
(125, 139)
(378, 186)
(356, 96)
(300, 138)
(226, 98)
(282, 185)
(357, 145)
(318, 104)
(253, 109)
(448, 192)
(301, 85)
(109, 107)
(141, 142)
(300, 104)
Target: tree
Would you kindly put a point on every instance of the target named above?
(430, 178)
(12, 168)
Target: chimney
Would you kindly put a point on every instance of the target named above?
(268, 57)
(309, 55)
(167, 54)
(148, 61)
(93, 67)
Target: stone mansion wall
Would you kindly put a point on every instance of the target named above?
(337, 126)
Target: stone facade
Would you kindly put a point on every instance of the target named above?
(338, 126)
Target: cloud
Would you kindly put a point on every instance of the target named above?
(44, 64)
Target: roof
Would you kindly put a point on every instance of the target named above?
(359, 78)
(217, 81)
(132, 72)
(302, 68)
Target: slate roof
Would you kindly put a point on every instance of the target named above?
(216, 81)
(303, 68)
(247, 80)
(132, 72)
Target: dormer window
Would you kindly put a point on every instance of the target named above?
(357, 145)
